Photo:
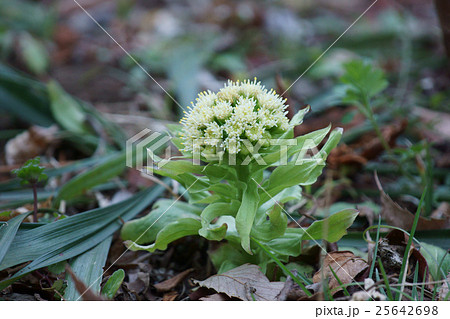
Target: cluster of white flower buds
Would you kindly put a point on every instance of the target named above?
(239, 111)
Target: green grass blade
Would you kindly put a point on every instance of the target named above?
(339, 281)
(411, 236)
(283, 267)
(374, 258)
(386, 281)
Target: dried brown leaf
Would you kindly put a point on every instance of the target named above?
(171, 283)
(170, 296)
(398, 216)
(245, 282)
(345, 265)
(216, 297)
(29, 144)
(443, 291)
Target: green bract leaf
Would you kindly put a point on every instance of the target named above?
(216, 231)
(270, 225)
(246, 214)
(164, 212)
(170, 232)
(297, 119)
(113, 284)
(303, 171)
(331, 228)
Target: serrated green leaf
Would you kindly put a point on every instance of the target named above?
(364, 81)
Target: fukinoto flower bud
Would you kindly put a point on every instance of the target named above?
(239, 111)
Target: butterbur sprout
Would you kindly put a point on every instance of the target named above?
(236, 134)
(239, 111)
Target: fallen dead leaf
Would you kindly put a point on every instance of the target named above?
(245, 282)
(29, 144)
(171, 283)
(292, 291)
(138, 282)
(366, 148)
(440, 123)
(443, 291)
(345, 265)
(170, 296)
(372, 148)
(442, 212)
(397, 216)
(216, 297)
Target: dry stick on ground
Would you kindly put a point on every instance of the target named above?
(443, 11)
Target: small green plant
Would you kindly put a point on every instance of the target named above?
(31, 173)
(239, 167)
(364, 83)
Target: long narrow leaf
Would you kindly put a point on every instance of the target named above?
(88, 267)
(99, 174)
(8, 232)
(69, 237)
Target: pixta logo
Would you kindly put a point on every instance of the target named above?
(142, 148)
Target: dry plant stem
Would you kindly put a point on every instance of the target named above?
(443, 11)
(35, 204)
